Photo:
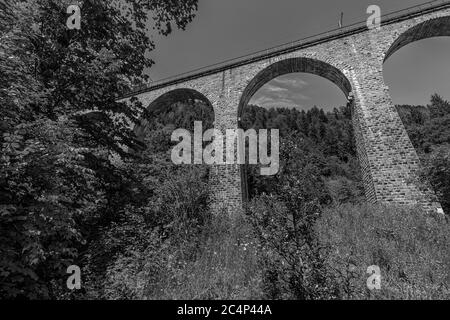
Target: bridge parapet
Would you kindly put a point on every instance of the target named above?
(310, 41)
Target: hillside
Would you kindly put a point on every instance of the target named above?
(327, 138)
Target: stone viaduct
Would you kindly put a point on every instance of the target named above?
(352, 58)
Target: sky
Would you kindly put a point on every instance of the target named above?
(223, 29)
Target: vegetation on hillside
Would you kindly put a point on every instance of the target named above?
(59, 185)
(429, 130)
(322, 143)
(141, 228)
(307, 233)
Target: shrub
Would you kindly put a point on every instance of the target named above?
(226, 266)
(436, 171)
(138, 252)
(218, 261)
(292, 267)
(410, 247)
(172, 248)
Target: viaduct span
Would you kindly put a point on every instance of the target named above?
(352, 58)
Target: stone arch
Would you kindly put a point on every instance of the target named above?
(412, 32)
(437, 27)
(292, 65)
(169, 98)
(282, 67)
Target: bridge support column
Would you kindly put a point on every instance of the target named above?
(389, 162)
(226, 193)
(226, 197)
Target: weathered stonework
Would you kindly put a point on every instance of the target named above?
(354, 62)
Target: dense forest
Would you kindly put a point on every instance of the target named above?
(327, 140)
(141, 227)
(323, 139)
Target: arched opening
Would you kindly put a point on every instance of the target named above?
(304, 65)
(417, 72)
(181, 189)
(326, 125)
(180, 108)
(438, 27)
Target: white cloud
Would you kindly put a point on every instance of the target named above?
(261, 100)
(285, 91)
(272, 88)
(291, 81)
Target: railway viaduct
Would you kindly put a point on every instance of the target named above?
(352, 58)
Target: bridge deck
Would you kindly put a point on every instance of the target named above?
(392, 17)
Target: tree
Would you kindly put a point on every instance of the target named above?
(429, 130)
(328, 135)
(438, 107)
(62, 124)
(436, 171)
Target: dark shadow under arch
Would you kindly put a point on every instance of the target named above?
(437, 27)
(290, 65)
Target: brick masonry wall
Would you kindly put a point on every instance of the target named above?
(388, 160)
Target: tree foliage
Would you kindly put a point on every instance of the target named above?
(310, 138)
(429, 130)
(61, 126)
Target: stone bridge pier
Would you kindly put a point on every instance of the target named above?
(353, 60)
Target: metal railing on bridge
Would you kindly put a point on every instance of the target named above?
(357, 27)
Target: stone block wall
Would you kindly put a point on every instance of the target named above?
(354, 63)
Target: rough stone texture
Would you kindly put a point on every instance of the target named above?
(355, 64)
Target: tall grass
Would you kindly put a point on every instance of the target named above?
(225, 268)
(218, 262)
(411, 248)
(224, 259)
